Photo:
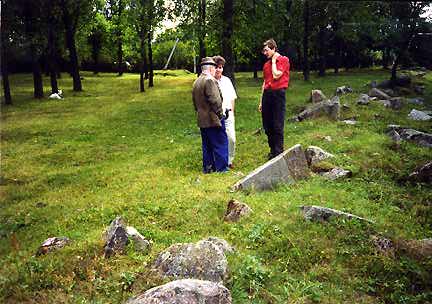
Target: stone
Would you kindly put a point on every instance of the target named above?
(420, 138)
(363, 100)
(221, 243)
(236, 210)
(287, 167)
(257, 131)
(395, 103)
(372, 84)
(203, 260)
(422, 174)
(316, 154)
(383, 245)
(378, 93)
(327, 108)
(343, 90)
(317, 96)
(389, 92)
(419, 89)
(419, 115)
(116, 237)
(317, 213)
(394, 135)
(337, 173)
(417, 101)
(420, 249)
(350, 121)
(140, 242)
(52, 244)
(187, 291)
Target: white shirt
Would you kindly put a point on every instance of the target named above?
(228, 92)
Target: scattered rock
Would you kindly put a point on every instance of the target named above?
(55, 96)
(373, 84)
(236, 210)
(317, 96)
(363, 100)
(350, 121)
(140, 242)
(203, 260)
(41, 205)
(420, 249)
(327, 108)
(389, 92)
(419, 89)
(317, 213)
(417, 101)
(394, 135)
(287, 167)
(378, 93)
(383, 245)
(420, 138)
(116, 237)
(328, 138)
(337, 173)
(51, 244)
(316, 154)
(395, 103)
(188, 291)
(343, 90)
(422, 174)
(419, 115)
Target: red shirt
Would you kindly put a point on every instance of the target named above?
(282, 64)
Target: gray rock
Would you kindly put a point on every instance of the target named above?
(383, 244)
(420, 138)
(236, 210)
(417, 101)
(327, 108)
(350, 121)
(203, 260)
(389, 92)
(317, 96)
(373, 84)
(419, 89)
(52, 244)
(221, 243)
(394, 135)
(140, 242)
(419, 115)
(316, 154)
(287, 167)
(337, 173)
(378, 93)
(116, 237)
(421, 249)
(188, 291)
(363, 99)
(422, 174)
(395, 103)
(317, 213)
(343, 90)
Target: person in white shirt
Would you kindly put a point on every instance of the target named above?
(228, 97)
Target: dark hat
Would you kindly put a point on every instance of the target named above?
(208, 61)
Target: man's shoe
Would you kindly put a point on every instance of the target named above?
(270, 156)
(231, 166)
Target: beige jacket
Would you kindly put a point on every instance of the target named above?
(207, 100)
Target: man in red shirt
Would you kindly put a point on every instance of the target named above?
(272, 104)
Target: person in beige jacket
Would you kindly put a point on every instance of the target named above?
(207, 100)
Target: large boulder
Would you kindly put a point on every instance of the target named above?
(419, 115)
(236, 210)
(203, 260)
(317, 96)
(188, 291)
(328, 108)
(287, 167)
(316, 154)
(317, 213)
(422, 174)
(378, 93)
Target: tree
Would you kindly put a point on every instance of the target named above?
(306, 40)
(227, 37)
(96, 38)
(6, 18)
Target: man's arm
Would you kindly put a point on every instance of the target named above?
(276, 73)
(213, 97)
(260, 102)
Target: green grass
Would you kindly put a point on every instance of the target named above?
(111, 150)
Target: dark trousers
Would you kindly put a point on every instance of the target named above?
(273, 117)
(214, 149)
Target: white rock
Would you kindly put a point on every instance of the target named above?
(419, 115)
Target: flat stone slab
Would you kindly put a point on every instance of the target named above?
(188, 291)
(418, 137)
(287, 167)
(317, 213)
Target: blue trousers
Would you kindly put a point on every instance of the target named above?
(214, 149)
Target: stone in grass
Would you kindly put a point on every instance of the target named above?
(350, 121)
(203, 260)
(420, 249)
(317, 96)
(115, 237)
(236, 210)
(287, 167)
(416, 101)
(343, 90)
(317, 213)
(383, 245)
(315, 154)
(419, 115)
(378, 93)
(363, 100)
(418, 137)
(51, 244)
(140, 242)
(221, 243)
(187, 291)
(337, 173)
(329, 108)
(394, 135)
(422, 174)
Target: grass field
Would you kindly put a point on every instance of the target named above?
(69, 167)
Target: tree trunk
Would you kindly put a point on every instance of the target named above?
(202, 32)
(70, 43)
(119, 40)
(37, 73)
(306, 40)
(143, 62)
(150, 56)
(227, 51)
(51, 59)
(5, 76)
(322, 52)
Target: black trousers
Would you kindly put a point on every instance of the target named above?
(273, 118)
